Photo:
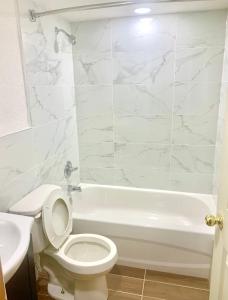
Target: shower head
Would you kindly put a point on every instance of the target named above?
(71, 38)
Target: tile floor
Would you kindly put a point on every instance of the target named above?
(126, 283)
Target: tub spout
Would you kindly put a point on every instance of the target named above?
(73, 188)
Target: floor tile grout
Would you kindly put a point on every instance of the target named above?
(143, 284)
(163, 282)
(179, 285)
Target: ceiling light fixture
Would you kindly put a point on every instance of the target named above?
(142, 10)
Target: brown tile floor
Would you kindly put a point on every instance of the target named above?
(126, 283)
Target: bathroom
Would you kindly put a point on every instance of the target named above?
(116, 111)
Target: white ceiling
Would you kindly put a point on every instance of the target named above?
(156, 8)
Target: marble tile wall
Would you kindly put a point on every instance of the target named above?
(38, 155)
(147, 94)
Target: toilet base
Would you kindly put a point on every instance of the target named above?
(91, 289)
(58, 293)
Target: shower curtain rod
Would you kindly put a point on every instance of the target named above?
(33, 15)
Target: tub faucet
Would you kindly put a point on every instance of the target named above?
(73, 188)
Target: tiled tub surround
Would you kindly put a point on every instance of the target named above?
(38, 155)
(126, 283)
(147, 92)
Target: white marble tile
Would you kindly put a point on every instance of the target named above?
(46, 103)
(70, 129)
(66, 71)
(69, 100)
(191, 182)
(13, 109)
(93, 68)
(18, 187)
(43, 70)
(149, 156)
(141, 178)
(17, 153)
(199, 29)
(144, 33)
(52, 170)
(49, 140)
(94, 35)
(221, 114)
(96, 155)
(199, 64)
(143, 129)
(97, 175)
(194, 130)
(197, 98)
(192, 159)
(132, 99)
(96, 129)
(152, 68)
(93, 100)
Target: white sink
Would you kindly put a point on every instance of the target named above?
(15, 233)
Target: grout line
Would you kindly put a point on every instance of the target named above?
(144, 279)
(163, 282)
(127, 276)
(123, 292)
(179, 285)
(119, 291)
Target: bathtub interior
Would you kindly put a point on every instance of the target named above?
(152, 229)
(132, 205)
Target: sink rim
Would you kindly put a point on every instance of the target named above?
(24, 225)
(13, 228)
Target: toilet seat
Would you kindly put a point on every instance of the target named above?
(57, 218)
(72, 256)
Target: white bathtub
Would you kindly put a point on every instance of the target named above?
(153, 229)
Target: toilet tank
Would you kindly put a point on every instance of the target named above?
(31, 205)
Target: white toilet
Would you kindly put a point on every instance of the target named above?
(78, 261)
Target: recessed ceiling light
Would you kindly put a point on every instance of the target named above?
(142, 10)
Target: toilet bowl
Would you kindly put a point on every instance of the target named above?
(83, 258)
(86, 255)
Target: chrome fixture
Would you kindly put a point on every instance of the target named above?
(211, 220)
(33, 15)
(68, 170)
(71, 38)
(73, 188)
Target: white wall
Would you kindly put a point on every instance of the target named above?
(13, 108)
(147, 99)
(38, 155)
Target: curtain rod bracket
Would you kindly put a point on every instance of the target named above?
(32, 15)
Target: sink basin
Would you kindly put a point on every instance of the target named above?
(15, 233)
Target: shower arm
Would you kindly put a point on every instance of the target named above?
(57, 30)
(33, 15)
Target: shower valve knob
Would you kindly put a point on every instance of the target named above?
(68, 170)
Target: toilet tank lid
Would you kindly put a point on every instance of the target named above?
(32, 203)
